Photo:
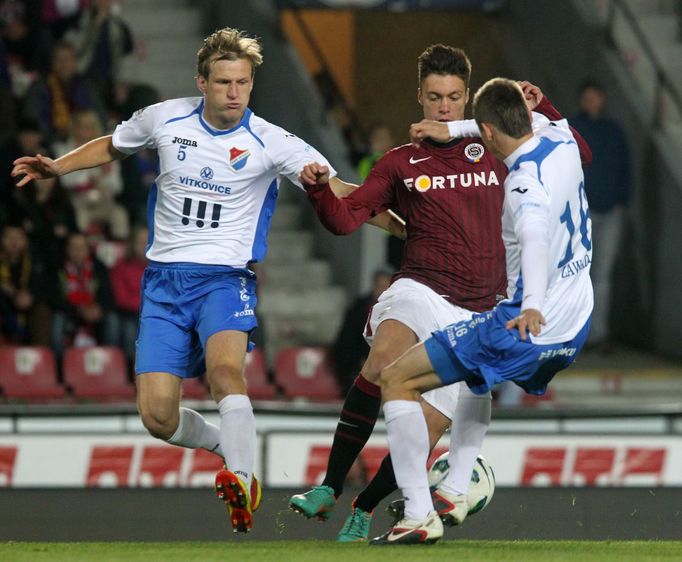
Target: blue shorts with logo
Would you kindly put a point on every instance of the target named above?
(483, 353)
(183, 304)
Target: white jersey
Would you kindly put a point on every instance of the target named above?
(545, 211)
(216, 190)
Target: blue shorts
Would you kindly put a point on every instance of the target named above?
(183, 304)
(482, 353)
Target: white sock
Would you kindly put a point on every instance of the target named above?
(238, 435)
(469, 425)
(194, 432)
(408, 441)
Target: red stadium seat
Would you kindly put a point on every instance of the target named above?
(304, 372)
(29, 373)
(194, 388)
(97, 372)
(256, 373)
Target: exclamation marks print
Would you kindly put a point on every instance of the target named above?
(201, 213)
(215, 217)
(186, 210)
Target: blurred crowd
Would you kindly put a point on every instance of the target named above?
(71, 248)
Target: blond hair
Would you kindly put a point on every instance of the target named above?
(228, 44)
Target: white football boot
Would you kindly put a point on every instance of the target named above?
(409, 531)
(452, 508)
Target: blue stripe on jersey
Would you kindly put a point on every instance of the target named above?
(247, 126)
(260, 240)
(544, 148)
(151, 208)
(197, 110)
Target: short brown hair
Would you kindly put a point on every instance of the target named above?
(500, 102)
(228, 44)
(443, 60)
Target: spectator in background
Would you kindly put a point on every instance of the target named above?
(29, 139)
(126, 283)
(61, 16)
(82, 312)
(350, 348)
(48, 217)
(608, 185)
(26, 42)
(52, 100)
(93, 191)
(380, 142)
(102, 39)
(24, 282)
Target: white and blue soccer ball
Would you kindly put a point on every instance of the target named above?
(481, 486)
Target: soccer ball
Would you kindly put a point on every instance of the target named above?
(481, 486)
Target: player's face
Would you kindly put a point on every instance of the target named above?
(443, 97)
(226, 92)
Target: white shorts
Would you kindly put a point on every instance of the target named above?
(424, 311)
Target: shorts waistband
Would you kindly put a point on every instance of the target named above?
(200, 267)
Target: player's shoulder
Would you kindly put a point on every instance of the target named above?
(175, 108)
(270, 135)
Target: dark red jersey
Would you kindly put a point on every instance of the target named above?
(451, 198)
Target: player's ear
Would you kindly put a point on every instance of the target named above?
(486, 132)
(419, 97)
(466, 97)
(201, 84)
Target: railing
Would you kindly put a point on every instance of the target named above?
(664, 88)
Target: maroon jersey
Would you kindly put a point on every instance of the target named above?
(451, 198)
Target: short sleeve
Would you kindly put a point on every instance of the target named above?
(137, 132)
(290, 154)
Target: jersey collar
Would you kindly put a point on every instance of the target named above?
(528, 146)
(244, 122)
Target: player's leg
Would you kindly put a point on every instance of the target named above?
(163, 357)
(158, 402)
(356, 527)
(470, 422)
(225, 355)
(358, 417)
(408, 441)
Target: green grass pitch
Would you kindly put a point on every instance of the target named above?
(319, 551)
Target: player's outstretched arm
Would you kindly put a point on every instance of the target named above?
(388, 220)
(92, 154)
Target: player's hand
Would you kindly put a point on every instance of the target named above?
(314, 174)
(532, 93)
(436, 130)
(529, 320)
(37, 167)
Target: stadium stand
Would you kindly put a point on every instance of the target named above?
(256, 375)
(29, 373)
(97, 373)
(305, 372)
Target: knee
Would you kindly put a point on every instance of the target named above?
(377, 361)
(160, 423)
(226, 378)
